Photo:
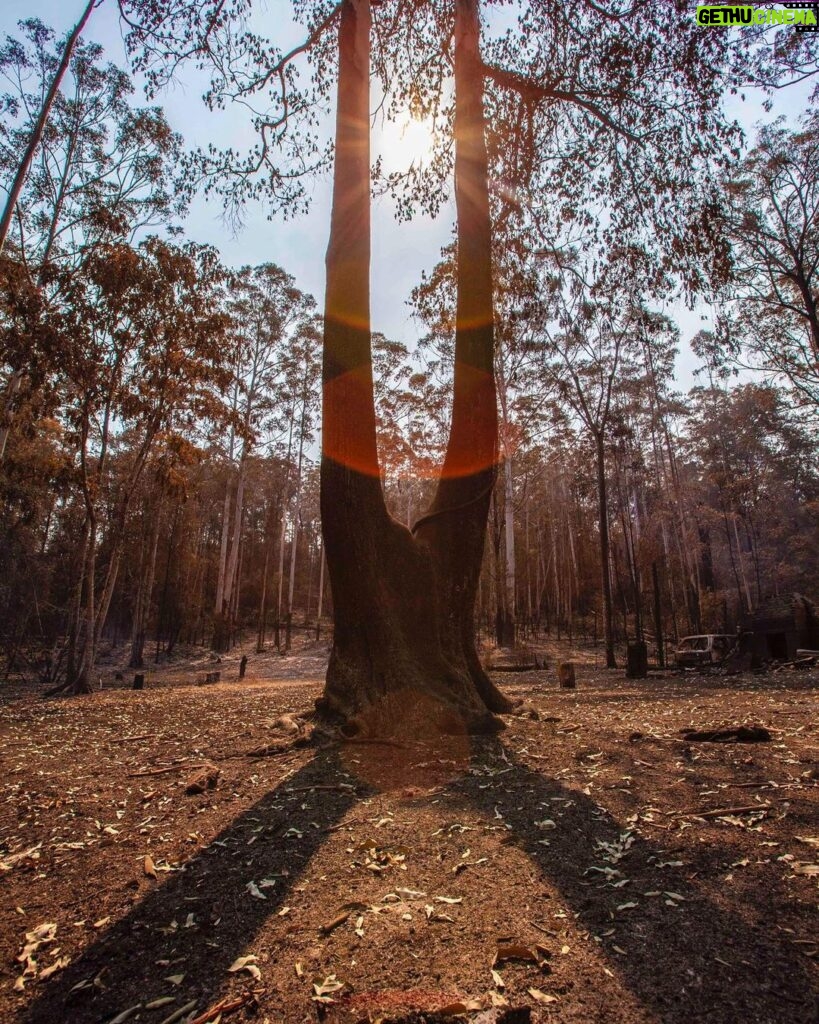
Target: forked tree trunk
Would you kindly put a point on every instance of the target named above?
(403, 656)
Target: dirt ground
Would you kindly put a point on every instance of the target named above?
(587, 865)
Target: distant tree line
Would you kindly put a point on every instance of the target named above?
(159, 416)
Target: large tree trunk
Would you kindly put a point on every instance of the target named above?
(403, 656)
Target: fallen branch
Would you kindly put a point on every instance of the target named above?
(741, 734)
(165, 771)
(226, 1005)
(345, 914)
(343, 787)
(720, 812)
(271, 749)
(514, 668)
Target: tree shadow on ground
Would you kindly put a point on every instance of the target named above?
(136, 952)
(668, 960)
(669, 954)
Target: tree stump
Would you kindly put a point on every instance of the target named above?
(139, 681)
(637, 660)
(203, 780)
(243, 666)
(565, 675)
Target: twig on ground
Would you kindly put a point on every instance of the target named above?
(719, 812)
(226, 1005)
(182, 766)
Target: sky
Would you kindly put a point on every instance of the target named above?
(400, 252)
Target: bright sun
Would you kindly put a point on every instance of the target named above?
(403, 142)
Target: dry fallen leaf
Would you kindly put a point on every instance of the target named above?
(149, 867)
(246, 963)
(58, 965)
(255, 891)
(541, 997)
(460, 1009)
(324, 990)
(514, 951)
(162, 1001)
(122, 1017)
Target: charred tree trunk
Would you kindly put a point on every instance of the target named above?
(403, 655)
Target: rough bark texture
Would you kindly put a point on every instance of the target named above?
(403, 656)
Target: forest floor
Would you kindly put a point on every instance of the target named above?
(588, 865)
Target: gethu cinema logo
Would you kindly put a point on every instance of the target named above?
(744, 15)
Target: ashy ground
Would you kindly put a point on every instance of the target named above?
(588, 865)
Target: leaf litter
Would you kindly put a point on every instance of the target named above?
(88, 821)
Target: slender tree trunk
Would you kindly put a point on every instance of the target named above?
(280, 576)
(403, 656)
(509, 553)
(145, 587)
(268, 546)
(658, 616)
(605, 547)
(296, 522)
(233, 634)
(39, 127)
(81, 683)
(741, 561)
(236, 540)
(320, 592)
(223, 553)
(74, 626)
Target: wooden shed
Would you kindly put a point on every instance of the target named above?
(780, 626)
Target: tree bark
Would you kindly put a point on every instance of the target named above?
(403, 656)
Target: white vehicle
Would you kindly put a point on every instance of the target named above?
(705, 649)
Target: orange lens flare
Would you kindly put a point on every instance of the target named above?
(348, 433)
